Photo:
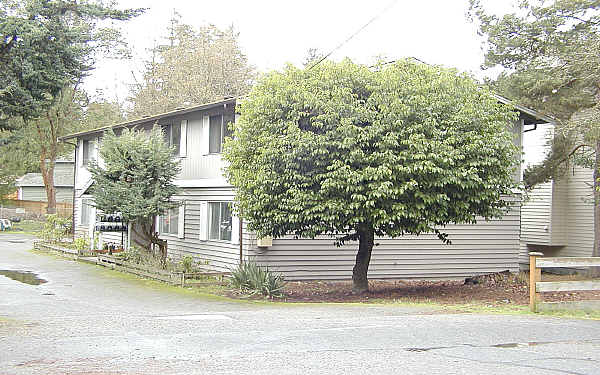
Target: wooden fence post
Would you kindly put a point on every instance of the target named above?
(535, 275)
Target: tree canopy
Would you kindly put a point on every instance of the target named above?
(345, 150)
(194, 66)
(46, 45)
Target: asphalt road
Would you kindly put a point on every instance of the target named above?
(87, 320)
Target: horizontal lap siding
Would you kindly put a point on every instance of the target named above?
(580, 214)
(536, 215)
(476, 249)
(219, 256)
(80, 230)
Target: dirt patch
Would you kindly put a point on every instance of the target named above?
(495, 289)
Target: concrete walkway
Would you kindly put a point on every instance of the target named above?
(89, 320)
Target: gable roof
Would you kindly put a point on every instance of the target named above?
(529, 115)
(61, 179)
(146, 119)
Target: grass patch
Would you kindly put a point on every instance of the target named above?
(218, 292)
(31, 227)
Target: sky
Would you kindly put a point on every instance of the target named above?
(273, 33)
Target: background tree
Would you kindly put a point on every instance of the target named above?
(340, 149)
(47, 45)
(35, 147)
(47, 48)
(195, 66)
(550, 50)
(136, 179)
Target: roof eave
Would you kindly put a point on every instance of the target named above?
(530, 115)
(143, 120)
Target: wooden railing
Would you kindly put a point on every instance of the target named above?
(536, 286)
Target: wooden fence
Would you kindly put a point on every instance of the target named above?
(39, 208)
(536, 286)
(182, 279)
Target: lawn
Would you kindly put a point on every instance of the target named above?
(33, 227)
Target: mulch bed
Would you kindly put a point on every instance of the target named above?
(496, 289)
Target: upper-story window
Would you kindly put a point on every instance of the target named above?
(218, 131)
(172, 133)
(86, 145)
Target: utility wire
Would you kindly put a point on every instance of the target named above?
(355, 33)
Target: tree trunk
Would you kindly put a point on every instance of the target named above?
(145, 236)
(47, 169)
(595, 271)
(360, 282)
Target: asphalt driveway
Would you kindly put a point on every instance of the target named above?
(88, 320)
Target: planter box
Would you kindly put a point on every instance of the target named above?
(71, 253)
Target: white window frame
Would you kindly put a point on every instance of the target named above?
(224, 133)
(168, 130)
(210, 221)
(169, 214)
(85, 159)
(86, 203)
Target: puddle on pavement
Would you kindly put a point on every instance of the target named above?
(26, 277)
(503, 346)
(194, 317)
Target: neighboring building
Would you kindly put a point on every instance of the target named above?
(204, 227)
(31, 187)
(558, 216)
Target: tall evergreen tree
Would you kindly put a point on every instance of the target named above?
(136, 178)
(550, 50)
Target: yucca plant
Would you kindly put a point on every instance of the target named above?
(249, 277)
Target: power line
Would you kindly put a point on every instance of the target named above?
(355, 33)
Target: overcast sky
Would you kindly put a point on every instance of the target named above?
(273, 33)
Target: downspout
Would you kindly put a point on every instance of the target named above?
(74, 179)
(241, 241)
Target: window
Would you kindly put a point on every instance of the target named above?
(86, 152)
(220, 222)
(169, 222)
(218, 131)
(86, 211)
(172, 134)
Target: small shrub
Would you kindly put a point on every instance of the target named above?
(81, 243)
(56, 228)
(187, 264)
(137, 255)
(249, 277)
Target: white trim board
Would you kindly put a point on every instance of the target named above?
(202, 182)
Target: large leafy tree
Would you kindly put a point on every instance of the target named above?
(47, 45)
(550, 50)
(135, 177)
(194, 66)
(341, 149)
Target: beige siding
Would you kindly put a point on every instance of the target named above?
(197, 165)
(580, 213)
(560, 204)
(536, 215)
(218, 255)
(38, 193)
(489, 246)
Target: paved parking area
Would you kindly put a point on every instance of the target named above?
(87, 320)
